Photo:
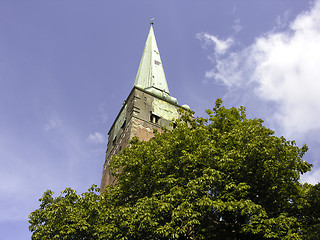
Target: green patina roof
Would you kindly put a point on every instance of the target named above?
(151, 75)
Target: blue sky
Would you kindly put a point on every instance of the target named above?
(67, 66)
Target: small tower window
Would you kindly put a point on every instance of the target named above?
(123, 124)
(114, 141)
(154, 118)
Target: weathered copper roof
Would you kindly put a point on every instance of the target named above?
(150, 74)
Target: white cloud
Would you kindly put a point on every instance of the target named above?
(53, 121)
(220, 46)
(311, 177)
(96, 138)
(283, 67)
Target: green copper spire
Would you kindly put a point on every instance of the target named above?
(150, 74)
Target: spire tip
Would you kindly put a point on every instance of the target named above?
(151, 21)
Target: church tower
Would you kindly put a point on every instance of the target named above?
(149, 106)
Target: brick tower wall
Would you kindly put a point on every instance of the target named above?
(140, 114)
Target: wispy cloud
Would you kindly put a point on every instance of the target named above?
(220, 46)
(102, 113)
(96, 138)
(53, 121)
(237, 26)
(282, 67)
(61, 159)
(282, 21)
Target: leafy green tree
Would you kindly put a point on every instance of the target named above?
(308, 211)
(68, 216)
(221, 177)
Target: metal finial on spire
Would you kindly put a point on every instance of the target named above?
(151, 21)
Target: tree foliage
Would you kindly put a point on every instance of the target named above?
(220, 177)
